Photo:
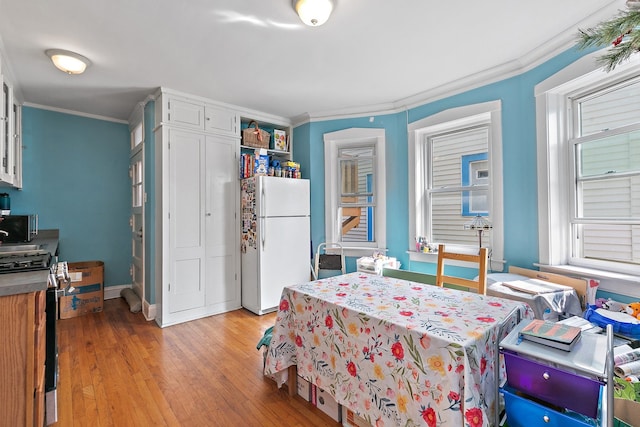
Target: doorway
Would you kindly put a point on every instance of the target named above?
(136, 173)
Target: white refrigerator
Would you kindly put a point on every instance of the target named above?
(276, 242)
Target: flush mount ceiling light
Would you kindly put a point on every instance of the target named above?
(313, 12)
(67, 61)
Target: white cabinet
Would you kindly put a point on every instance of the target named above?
(222, 223)
(197, 220)
(197, 114)
(220, 120)
(10, 141)
(186, 113)
(17, 144)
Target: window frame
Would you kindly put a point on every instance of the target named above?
(488, 113)
(350, 138)
(575, 140)
(554, 122)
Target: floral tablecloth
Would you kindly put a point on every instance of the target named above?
(396, 352)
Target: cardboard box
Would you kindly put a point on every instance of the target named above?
(261, 166)
(326, 403)
(626, 411)
(350, 419)
(304, 388)
(88, 296)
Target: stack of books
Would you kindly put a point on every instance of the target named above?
(556, 335)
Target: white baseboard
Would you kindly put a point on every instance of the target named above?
(111, 292)
(149, 310)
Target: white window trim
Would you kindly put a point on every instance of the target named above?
(488, 111)
(136, 120)
(554, 164)
(332, 142)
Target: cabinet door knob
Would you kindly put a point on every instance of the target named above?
(208, 213)
(546, 375)
(546, 419)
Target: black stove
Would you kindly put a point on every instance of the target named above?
(14, 262)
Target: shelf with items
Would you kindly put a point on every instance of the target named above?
(266, 147)
(266, 133)
(258, 161)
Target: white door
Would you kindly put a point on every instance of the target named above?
(222, 224)
(136, 172)
(186, 221)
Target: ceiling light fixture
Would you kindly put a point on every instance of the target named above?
(67, 61)
(313, 12)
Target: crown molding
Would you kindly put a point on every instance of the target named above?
(531, 59)
(74, 113)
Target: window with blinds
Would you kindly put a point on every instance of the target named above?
(605, 182)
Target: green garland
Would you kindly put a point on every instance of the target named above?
(623, 32)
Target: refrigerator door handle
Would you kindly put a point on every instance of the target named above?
(263, 209)
(263, 201)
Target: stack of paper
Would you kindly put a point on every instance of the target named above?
(534, 286)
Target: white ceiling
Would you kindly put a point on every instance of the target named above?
(370, 55)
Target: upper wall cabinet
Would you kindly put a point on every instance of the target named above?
(218, 120)
(192, 113)
(10, 139)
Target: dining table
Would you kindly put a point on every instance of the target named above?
(393, 351)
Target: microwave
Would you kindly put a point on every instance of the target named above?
(18, 228)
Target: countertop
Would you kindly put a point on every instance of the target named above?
(30, 281)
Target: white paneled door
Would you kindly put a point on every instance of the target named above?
(222, 253)
(204, 226)
(186, 219)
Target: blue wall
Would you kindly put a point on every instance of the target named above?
(309, 152)
(519, 162)
(76, 178)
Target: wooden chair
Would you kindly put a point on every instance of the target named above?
(480, 259)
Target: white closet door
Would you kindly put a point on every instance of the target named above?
(186, 219)
(222, 226)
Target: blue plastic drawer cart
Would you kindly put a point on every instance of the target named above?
(548, 387)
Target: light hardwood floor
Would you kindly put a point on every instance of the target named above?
(117, 369)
